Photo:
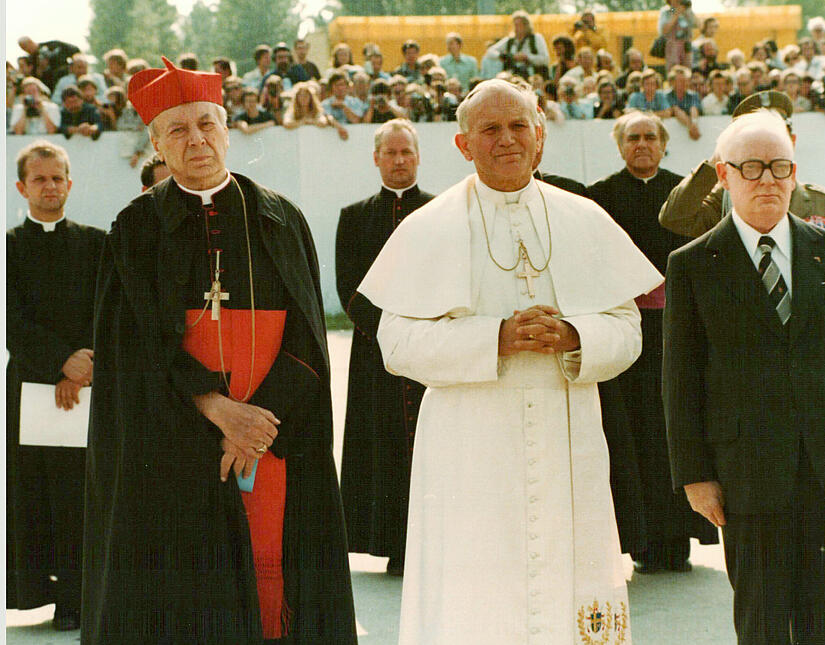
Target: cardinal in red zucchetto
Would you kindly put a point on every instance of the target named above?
(212, 507)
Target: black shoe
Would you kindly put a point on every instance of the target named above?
(683, 566)
(645, 566)
(66, 620)
(395, 567)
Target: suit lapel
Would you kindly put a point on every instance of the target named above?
(808, 274)
(736, 271)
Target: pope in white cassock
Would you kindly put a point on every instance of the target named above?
(510, 299)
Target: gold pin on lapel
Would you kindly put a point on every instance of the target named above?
(817, 258)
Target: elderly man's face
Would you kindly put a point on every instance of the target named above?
(192, 140)
(454, 47)
(397, 159)
(635, 62)
(502, 139)
(641, 147)
(761, 202)
(411, 55)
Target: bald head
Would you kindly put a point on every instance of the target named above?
(757, 125)
(495, 91)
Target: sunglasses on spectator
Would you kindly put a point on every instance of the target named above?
(753, 169)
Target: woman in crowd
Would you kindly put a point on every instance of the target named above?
(342, 60)
(676, 23)
(305, 109)
(565, 52)
(609, 105)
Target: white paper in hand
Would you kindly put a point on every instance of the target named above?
(42, 423)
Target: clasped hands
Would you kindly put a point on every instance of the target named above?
(248, 431)
(77, 372)
(536, 330)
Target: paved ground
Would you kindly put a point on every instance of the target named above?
(665, 609)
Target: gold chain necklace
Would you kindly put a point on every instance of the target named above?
(522, 250)
(252, 305)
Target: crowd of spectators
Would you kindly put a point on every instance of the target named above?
(53, 89)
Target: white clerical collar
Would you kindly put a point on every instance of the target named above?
(781, 234)
(398, 191)
(647, 179)
(501, 198)
(47, 226)
(206, 195)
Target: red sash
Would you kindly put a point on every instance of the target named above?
(265, 504)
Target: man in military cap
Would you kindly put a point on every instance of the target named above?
(210, 357)
(698, 202)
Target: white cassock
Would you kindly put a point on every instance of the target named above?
(511, 536)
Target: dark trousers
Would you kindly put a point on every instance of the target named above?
(776, 566)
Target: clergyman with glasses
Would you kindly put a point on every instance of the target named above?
(509, 299)
(744, 388)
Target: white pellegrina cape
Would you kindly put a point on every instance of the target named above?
(511, 536)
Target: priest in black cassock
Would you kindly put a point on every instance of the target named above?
(382, 409)
(633, 197)
(213, 514)
(51, 263)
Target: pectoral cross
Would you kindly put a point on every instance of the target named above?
(527, 271)
(215, 294)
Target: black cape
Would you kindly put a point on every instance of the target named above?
(664, 516)
(50, 283)
(382, 409)
(167, 553)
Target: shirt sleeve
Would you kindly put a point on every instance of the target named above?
(610, 342)
(442, 351)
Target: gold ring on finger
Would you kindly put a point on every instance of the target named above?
(262, 449)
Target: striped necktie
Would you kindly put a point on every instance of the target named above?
(772, 278)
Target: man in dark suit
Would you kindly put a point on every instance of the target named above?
(744, 387)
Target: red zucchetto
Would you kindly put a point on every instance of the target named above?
(152, 91)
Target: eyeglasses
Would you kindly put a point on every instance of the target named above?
(753, 169)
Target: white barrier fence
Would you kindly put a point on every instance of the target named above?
(321, 173)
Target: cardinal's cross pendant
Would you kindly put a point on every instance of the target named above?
(215, 294)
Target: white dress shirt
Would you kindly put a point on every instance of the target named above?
(781, 255)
